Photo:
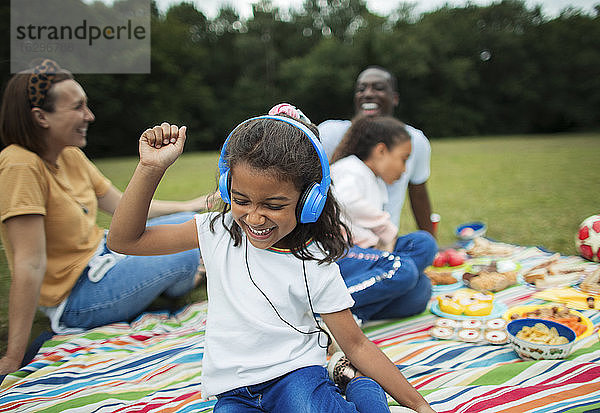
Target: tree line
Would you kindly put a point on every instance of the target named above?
(503, 68)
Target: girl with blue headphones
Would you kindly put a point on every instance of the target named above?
(270, 261)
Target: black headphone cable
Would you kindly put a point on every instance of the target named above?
(319, 328)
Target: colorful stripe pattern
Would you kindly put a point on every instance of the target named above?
(154, 364)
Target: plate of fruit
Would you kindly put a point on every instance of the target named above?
(446, 271)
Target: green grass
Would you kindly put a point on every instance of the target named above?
(530, 190)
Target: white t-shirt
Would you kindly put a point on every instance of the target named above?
(417, 171)
(246, 342)
(362, 196)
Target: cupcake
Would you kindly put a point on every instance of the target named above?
(469, 334)
(443, 333)
(471, 323)
(496, 336)
(496, 324)
(446, 322)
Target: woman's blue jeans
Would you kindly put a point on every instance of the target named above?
(129, 287)
(305, 390)
(390, 285)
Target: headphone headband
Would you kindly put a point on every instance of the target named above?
(313, 200)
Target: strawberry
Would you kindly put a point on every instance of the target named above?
(440, 259)
(454, 258)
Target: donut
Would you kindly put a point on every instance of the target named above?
(446, 322)
(495, 324)
(441, 332)
(471, 323)
(496, 336)
(469, 334)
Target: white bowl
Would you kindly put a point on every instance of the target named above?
(536, 351)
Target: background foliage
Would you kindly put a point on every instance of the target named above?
(473, 70)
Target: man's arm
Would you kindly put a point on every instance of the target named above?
(421, 206)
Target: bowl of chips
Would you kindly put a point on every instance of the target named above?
(536, 339)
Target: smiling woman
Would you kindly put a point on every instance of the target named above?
(56, 253)
(67, 124)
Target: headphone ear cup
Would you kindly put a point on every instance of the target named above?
(224, 186)
(302, 202)
(311, 204)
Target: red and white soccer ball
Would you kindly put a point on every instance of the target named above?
(587, 239)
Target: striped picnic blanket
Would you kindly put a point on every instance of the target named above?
(154, 364)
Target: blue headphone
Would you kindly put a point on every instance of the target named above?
(312, 200)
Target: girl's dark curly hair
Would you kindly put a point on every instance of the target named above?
(286, 152)
(366, 132)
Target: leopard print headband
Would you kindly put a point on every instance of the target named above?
(41, 81)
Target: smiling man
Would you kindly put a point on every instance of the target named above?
(376, 95)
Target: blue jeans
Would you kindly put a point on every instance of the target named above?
(129, 287)
(390, 285)
(305, 390)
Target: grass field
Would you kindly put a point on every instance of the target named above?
(530, 190)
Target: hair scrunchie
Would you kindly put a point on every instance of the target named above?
(40, 82)
(290, 110)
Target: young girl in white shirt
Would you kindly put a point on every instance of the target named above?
(269, 257)
(384, 273)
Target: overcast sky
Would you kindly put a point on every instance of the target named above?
(382, 7)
